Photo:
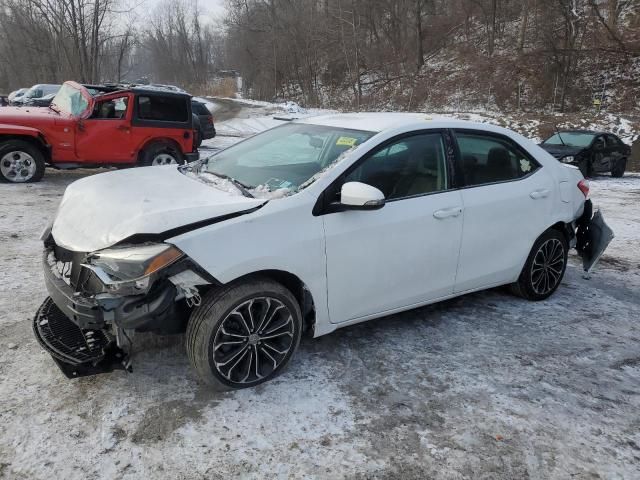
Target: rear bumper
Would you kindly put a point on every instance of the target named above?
(593, 236)
(192, 157)
(208, 132)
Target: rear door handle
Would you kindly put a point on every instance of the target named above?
(536, 194)
(447, 212)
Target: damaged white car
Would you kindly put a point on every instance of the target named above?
(311, 226)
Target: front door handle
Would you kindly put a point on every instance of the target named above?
(536, 194)
(123, 127)
(447, 212)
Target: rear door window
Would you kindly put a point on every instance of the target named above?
(490, 159)
(162, 108)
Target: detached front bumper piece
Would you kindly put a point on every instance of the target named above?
(77, 352)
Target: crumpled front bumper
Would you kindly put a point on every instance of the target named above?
(79, 331)
(103, 310)
(77, 352)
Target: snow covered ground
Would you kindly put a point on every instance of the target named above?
(483, 386)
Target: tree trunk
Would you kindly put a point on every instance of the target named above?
(523, 25)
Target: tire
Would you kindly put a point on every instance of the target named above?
(20, 162)
(618, 169)
(585, 167)
(226, 347)
(160, 153)
(537, 282)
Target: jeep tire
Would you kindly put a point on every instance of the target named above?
(20, 162)
(160, 153)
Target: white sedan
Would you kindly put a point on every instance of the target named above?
(308, 227)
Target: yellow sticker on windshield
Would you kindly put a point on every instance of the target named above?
(348, 141)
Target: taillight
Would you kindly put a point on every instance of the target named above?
(583, 185)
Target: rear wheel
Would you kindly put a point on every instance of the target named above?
(244, 334)
(20, 162)
(160, 153)
(618, 169)
(545, 267)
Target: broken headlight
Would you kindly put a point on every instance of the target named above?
(130, 270)
(567, 159)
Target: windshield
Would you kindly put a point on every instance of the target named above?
(570, 139)
(285, 157)
(34, 92)
(70, 100)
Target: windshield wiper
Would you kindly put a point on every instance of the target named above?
(239, 185)
(53, 108)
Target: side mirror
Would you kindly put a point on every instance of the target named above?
(360, 196)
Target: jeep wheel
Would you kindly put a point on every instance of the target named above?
(160, 153)
(544, 269)
(618, 169)
(20, 162)
(243, 334)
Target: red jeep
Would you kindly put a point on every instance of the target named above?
(96, 126)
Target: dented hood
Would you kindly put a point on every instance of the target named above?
(99, 211)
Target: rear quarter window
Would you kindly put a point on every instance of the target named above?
(162, 109)
(199, 109)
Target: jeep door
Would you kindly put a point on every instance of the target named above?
(406, 252)
(105, 136)
(508, 199)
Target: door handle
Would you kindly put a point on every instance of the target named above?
(536, 194)
(123, 127)
(447, 212)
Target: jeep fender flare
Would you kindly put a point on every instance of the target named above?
(29, 134)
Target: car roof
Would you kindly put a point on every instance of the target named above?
(579, 130)
(121, 87)
(381, 121)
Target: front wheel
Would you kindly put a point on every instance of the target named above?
(20, 162)
(544, 268)
(618, 169)
(244, 334)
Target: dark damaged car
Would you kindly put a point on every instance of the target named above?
(592, 152)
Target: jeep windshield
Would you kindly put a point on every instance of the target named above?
(286, 158)
(570, 139)
(70, 99)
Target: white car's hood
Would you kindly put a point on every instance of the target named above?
(99, 211)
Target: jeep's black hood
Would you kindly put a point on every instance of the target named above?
(560, 151)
